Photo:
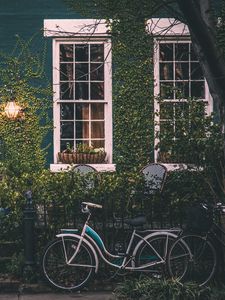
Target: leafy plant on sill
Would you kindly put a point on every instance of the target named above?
(83, 148)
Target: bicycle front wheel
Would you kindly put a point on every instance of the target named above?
(65, 276)
(201, 264)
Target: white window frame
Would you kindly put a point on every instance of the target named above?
(177, 34)
(88, 32)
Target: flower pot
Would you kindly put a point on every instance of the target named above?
(81, 158)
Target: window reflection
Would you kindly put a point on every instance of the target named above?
(97, 72)
(97, 91)
(97, 52)
(82, 79)
(97, 111)
(66, 90)
(81, 91)
(67, 111)
(81, 72)
(66, 52)
(82, 129)
(67, 129)
(166, 52)
(66, 72)
(81, 52)
(97, 129)
(82, 111)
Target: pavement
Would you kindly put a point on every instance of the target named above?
(60, 296)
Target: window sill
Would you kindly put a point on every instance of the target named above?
(99, 167)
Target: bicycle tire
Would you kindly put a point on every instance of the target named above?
(161, 242)
(62, 275)
(202, 263)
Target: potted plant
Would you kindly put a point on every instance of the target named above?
(83, 154)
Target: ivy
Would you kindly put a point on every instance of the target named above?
(132, 94)
(22, 76)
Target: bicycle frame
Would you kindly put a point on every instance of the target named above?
(90, 237)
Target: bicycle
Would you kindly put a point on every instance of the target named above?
(203, 261)
(72, 258)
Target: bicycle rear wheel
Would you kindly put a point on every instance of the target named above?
(201, 264)
(64, 276)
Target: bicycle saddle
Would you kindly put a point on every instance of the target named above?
(137, 221)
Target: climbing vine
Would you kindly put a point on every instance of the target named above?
(132, 94)
(22, 77)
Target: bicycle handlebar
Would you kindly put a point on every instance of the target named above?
(89, 204)
(216, 207)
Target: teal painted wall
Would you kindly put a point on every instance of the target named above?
(25, 18)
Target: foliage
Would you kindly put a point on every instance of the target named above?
(82, 148)
(15, 267)
(132, 94)
(132, 79)
(57, 198)
(152, 289)
(197, 140)
(21, 77)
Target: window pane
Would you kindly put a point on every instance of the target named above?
(181, 129)
(166, 130)
(166, 71)
(98, 143)
(97, 130)
(196, 71)
(166, 111)
(97, 72)
(67, 111)
(81, 52)
(64, 144)
(82, 130)
(198, 89)
(97, 91)
(97, 52)
(166, 90)
(81, 72)
(97, 111)
(166, 52)
(193, 55)
(181, 110)
(66, 72)
(66, 91)
(182, 90)
(66, 52)
(82, 111)
(182, 52)
(182, 71)
(67, 130)
(81, 91)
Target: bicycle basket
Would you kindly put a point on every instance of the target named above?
(198, 219)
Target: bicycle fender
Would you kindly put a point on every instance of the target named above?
(166, 233)
(61, 235)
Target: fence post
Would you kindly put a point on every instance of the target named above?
(29, 248)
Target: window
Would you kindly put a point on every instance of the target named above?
(82, 95)
(178, 78)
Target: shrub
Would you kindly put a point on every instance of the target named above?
(152, 289)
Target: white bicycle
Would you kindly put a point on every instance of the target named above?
(72, 258)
